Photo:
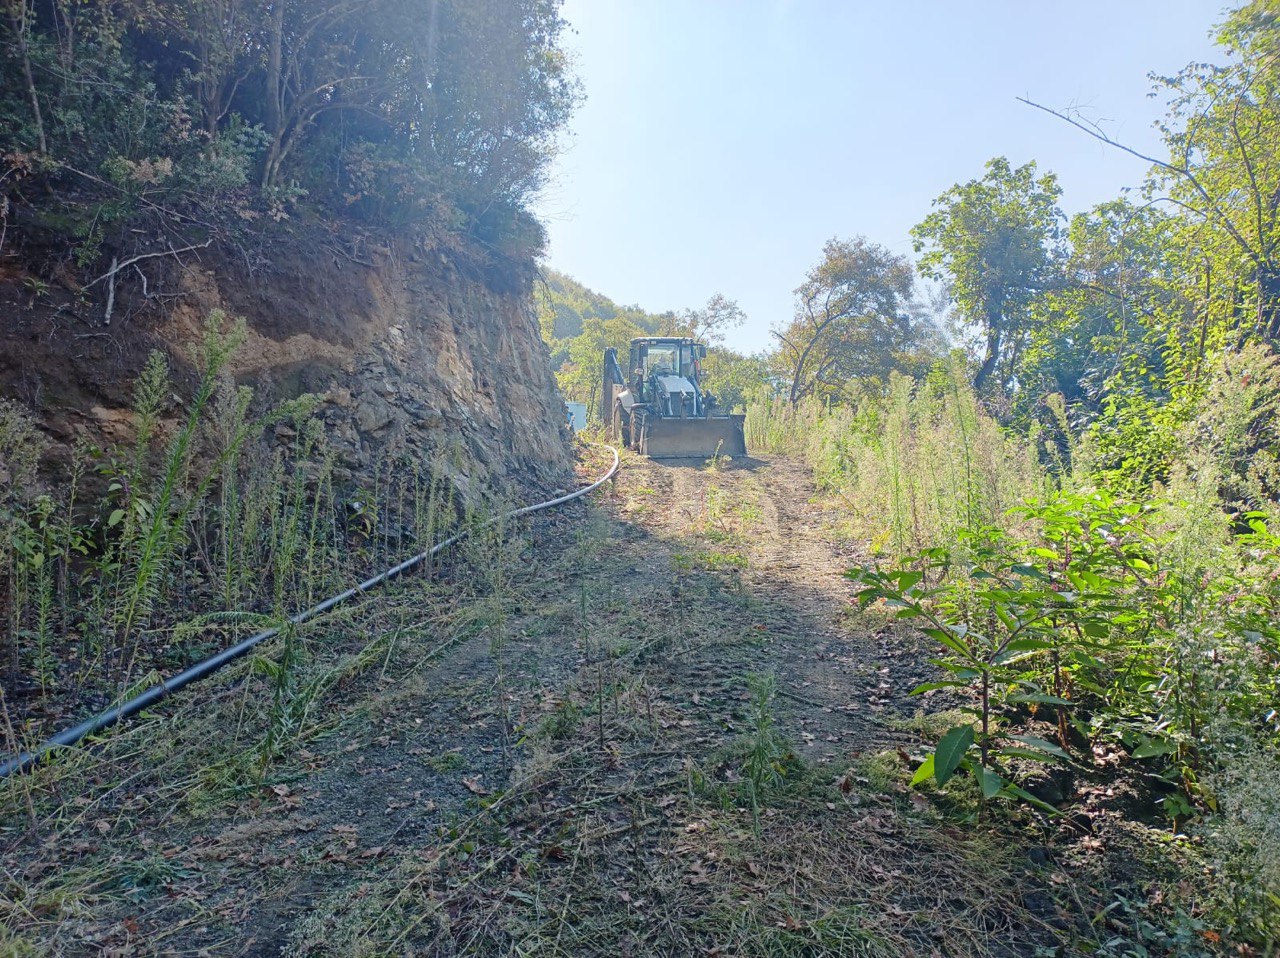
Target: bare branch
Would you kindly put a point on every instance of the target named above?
(1182, 171)
(111, 273)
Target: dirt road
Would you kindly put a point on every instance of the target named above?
(652, 725)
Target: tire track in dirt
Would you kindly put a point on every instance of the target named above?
(842, 684)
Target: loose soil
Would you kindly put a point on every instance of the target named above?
(546, 748)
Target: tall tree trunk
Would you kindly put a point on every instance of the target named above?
(275, 95)
(65, 20)
(797, 392)
(1269, 303)
(990, 359)
(19, 16)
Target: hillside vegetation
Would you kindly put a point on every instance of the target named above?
(182, 184)
(125, 125)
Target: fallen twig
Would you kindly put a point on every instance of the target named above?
(110, 274)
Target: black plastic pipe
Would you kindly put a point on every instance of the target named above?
(25, 761)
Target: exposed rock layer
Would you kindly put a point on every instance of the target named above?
(411, 348)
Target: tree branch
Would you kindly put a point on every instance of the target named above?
(1182, 171)
(115, 268)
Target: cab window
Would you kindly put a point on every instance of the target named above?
(661, 360)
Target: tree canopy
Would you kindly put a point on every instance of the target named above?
(996, 242)
(854, 319)
(397, 111)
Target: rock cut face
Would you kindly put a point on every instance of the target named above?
(410, 355)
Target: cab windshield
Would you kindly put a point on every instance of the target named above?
(661, 361)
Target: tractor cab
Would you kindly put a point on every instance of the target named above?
(667, 357)
(665, 372)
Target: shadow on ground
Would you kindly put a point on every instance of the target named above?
(653, 725)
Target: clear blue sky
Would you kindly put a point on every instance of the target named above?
(723, 141)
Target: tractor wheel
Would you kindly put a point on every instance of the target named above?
(635, 429)
(621, 426)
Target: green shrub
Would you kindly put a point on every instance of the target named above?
(1107, 618)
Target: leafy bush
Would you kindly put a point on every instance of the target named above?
(179, 113)
(1105, 619)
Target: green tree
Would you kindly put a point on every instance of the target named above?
(734, 378)
(1221, 174)
(1120, 290)
(997, 243)
(20, 18)
(579, 376)
(487, 89)
(712, 322)
(852, 318)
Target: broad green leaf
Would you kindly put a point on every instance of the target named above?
(1026, 753)
(1040, 699)
(907, 579)
(991, 782)
(1006, 657)
(1016, 792)
(951, 749)
(923, 773)
(963, 671)
(942, 684)
(1153, 747)
(1027, 644)
(1041, 744)
(944, 637)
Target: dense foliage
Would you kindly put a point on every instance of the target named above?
(1078, 508)
(207, 114)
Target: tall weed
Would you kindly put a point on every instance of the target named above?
(205, 530)
(914, 467)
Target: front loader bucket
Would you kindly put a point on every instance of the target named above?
(693, 438)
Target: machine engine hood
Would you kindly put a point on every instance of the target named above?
(675, 384)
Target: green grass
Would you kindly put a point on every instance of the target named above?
(446, 762)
